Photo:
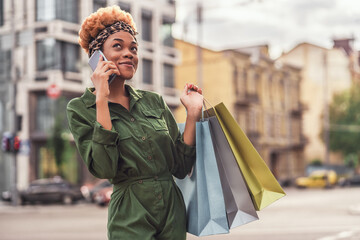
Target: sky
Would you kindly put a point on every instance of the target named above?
(282, 24)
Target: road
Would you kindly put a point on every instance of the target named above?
(332, 214)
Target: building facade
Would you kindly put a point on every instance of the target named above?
(263, 97)
(39, 37)
(324, 73)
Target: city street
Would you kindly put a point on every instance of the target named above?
(301, 215)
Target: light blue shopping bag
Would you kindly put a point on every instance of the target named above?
(202, 192)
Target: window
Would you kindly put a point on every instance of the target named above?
(172, 2)
(47, 54)
(251, 83)
(5, 65)
(257, 85)
(98, 4)
(71, 59)
(242, 86)
(270, 131)
(5, 58)
(125, 6)
(44, 114)
(282, 93)
(2, 12)
(66, 10)
(270, 90)
(53, 54)
(252, 121)
(147, 71)
(294, 89)
(146, 25)
(2, 120)
(45, 10)
(277, 126)
(166, 35)
(168, 75)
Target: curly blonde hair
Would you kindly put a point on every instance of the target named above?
(99, 20)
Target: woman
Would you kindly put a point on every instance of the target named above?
(130, 136)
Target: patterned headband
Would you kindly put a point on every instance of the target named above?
(97, 43)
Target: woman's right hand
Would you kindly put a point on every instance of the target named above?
(101, 76)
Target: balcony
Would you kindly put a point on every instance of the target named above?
(297, 110)
(253, 135)
(61, 30)
(299, 144)
(57, 75)
(245, 99)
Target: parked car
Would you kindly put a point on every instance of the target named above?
(89, 190)
(351, 181)
(285, 182)
(51, 190)
(102, 197)
(6, 196)
(318, 179)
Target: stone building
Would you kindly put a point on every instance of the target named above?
(263, 96)
(45, 51)
(324, 73)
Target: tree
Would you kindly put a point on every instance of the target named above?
(58, 142)
(345, 124)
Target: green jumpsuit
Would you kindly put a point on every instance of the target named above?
(138, 155)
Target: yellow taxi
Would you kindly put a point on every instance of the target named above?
(318, 179)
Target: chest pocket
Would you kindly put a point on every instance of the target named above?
(153, 116)
(123, 131)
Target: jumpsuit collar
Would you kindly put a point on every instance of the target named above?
(90, 99)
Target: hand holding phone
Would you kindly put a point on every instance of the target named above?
(94, 60)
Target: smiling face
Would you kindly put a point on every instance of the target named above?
(121, 48)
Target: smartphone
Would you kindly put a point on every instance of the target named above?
(93, 62)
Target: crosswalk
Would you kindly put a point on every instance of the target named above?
(344, 235)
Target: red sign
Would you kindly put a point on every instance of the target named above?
(53, 91)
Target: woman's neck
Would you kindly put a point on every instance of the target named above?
(118, 93)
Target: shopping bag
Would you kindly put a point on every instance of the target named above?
(203, 196)
(263, 186)
(239, 206)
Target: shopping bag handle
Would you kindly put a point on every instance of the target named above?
(206, 109)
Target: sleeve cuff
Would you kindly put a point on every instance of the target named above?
(103, 136)
(187, 150)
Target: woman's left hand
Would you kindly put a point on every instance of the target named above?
(192, 100)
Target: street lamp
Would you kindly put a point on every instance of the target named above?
(199, 20)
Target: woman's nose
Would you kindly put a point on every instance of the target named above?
(128, 54)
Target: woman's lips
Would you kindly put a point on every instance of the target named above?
(127, 64)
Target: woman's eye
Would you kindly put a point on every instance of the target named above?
(117, 45)
(134, 49)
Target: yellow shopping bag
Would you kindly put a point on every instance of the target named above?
(263, 187)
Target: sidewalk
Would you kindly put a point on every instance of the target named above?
(354, 209)
(4, 206)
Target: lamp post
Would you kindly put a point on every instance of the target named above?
(13, 116)
(199, 49)
(200, 20)
(326, 120)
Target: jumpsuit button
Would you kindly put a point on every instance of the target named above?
(132, 119)
(140, 181)
(143, 138)
(149, 157)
